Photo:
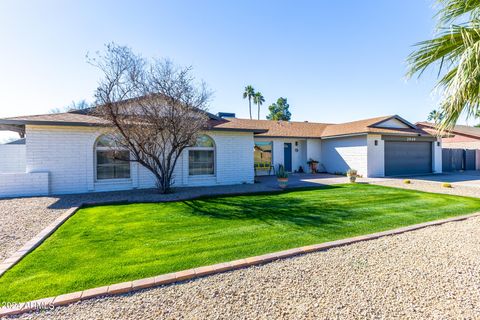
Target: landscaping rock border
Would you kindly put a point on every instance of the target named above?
(184, 275)
(35, 241)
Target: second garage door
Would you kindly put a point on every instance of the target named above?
(404, 158)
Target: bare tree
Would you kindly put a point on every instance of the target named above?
(156, 109)
(79, 105)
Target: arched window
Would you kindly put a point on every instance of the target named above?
(112, 160)
(201, 157)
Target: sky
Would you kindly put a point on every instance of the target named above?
(335, 61)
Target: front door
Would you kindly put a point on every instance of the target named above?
(287, 156)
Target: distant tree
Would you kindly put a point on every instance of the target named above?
(79, 105)
(156, 109)
(258, 99)
(435, 116)
(249, 93)
(279, 110)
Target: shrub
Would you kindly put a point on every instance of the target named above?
(446, 185)
(281, 173)
(406, 181)
(352, 173)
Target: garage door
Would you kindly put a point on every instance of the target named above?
(403, 158)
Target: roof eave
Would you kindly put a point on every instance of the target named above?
(237, 129)
(51, 123)
(288, 137)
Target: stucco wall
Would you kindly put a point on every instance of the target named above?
(341, 154)
(314, 151)
(393, 123)
(67, 154)
(437, 156)
(12, 158)
(376, 156)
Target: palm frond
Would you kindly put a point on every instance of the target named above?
(454, 9)
(457, 53)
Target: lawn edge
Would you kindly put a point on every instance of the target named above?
(194, 273)
(36, 241)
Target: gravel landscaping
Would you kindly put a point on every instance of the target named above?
(429, 186)
(22, 218)
(430, 273)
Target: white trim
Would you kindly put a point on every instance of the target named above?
(203, 149)
(344, 135)
(97, 181)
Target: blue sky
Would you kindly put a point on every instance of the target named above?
(335, 61)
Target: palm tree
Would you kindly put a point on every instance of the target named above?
(455, 50)
(258, 99)
(435, 116)
(249, 93)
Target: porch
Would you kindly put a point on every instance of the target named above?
(292, 153)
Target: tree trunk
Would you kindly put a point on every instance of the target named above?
(258, 105)
(250, 107)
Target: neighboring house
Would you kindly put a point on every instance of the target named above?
(461, 137)
(66, 153)
(461, 147)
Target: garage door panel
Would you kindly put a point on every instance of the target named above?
(403, 158)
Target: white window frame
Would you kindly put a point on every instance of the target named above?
(95, 160)
(203, 149)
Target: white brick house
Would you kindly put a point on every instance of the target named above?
(62, 155)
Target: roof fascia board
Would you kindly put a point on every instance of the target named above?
(286, 137)
(51, 123)
(237, 129)
(397, 117)
(451, 133)
(345, 135)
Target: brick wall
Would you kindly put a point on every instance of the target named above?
(67, 154)
(24, 184)
(12, 158)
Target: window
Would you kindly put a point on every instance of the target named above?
(201, 157)
(262, 154)
(112, 161)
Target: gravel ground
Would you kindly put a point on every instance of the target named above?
(428, 186)
(429, 273)
(21, 219)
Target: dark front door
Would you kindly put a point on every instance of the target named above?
(403, 158)
(287, 156)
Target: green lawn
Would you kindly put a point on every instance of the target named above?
(109, 244)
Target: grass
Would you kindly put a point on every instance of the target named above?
(109, 244)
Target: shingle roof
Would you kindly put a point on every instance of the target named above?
(458, 129)
(273, 128)
(265, 128)
(57, 118)
(371, 125)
